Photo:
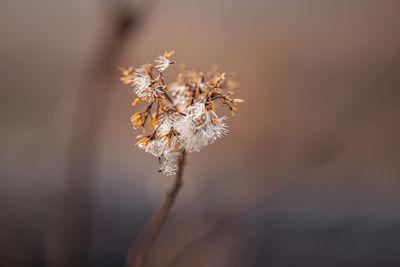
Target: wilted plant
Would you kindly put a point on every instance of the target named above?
(178, 117)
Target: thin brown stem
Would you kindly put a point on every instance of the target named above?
(140, 250)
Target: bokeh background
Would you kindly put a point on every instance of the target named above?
(308, 176)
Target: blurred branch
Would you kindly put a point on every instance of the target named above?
(70, 243)
(139, 252)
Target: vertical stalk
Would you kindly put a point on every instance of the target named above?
(70, 239)
(140, 250)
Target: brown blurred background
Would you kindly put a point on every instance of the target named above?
(308, 176)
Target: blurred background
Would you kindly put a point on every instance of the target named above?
(308, 175)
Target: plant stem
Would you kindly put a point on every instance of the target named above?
(140, 250)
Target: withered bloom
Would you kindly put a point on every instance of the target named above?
(180, 116)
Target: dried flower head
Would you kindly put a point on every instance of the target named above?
(180, 116)
(164, 61)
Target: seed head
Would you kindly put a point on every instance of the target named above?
(180, 115)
